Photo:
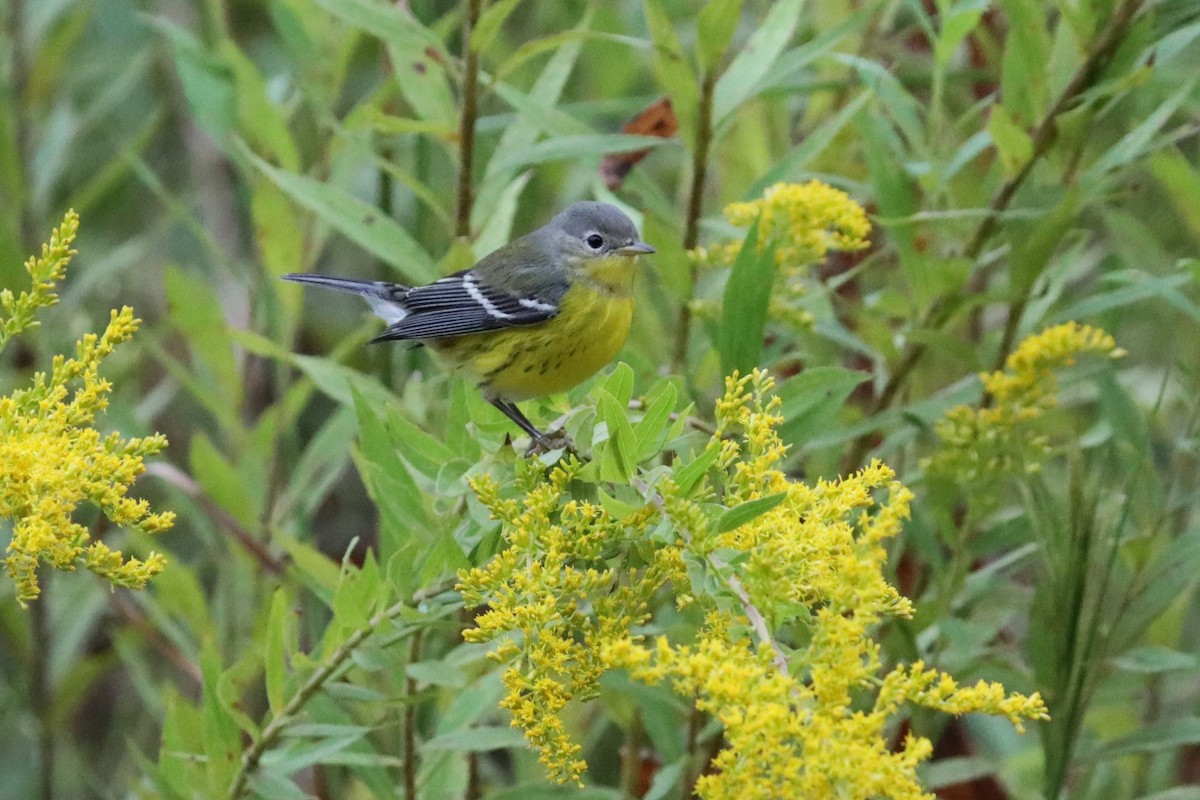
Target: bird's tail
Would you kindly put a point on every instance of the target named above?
(386, 299)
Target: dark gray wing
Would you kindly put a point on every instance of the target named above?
(464, 303)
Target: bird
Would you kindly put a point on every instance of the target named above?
(535, 317)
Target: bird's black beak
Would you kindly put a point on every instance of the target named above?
(635, 249)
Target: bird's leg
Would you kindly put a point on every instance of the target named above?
(541, 442)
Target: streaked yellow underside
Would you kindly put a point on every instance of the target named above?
(536, 360)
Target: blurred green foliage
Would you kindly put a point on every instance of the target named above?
(1024, 164)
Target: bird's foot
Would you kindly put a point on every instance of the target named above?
(555, 440)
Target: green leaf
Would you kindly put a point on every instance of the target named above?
(620, 383)
(1033, 252)
(425, 452)
(499, 227)
(437, 673)
(1154, 659)
(617, 508)
(342, 383)
(715, 26)
(297, 755)
(1135, 144)
(490, 22)
(523, 132)
(811, 145)
(277, 235)
(619, 462)
(319, 467)
(269, 786)
(1181, 180)
(358, 594)
(1155, 738)
(220, 481)
(207, 81)
(650, 429)
(196, 310)
(391, 23)
(261, 122)
(477, 740)
(1136, 287)
(813, 399)
(1177, 793)
(744, 311)
(222, 739)
(1024, 82)
(542, 791)
(591, 146)
(956, 23)
(750, 510)
(1159, 586)
(276, 650)
(404, 519)
(689, 475)
(955, 770)
(740, 82)
(360, 222)
(418, 56)
(1013, 144)
(672, 70)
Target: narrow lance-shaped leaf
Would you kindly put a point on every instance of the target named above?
(715, 26)
(747, 296)
(740, 82)
(359, 221)
(671, 67)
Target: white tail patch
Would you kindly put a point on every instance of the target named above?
(389, 311)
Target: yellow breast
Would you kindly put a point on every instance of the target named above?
(536, 360)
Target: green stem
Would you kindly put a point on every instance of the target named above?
(691, 235)
(631, 758)
(466, 127)
(410, 724)
(687, 786)
(40, 691)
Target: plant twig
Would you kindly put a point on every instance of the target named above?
(691, 234)
(410, 723)
(40, 690)
(631, 757)
(687, 785)
(136, 618)
(757, 621)
(466, 123)
(249, 542)
(288, 714)
(1042, 139)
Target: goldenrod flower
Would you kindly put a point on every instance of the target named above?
(52, 459)
(804, 221)
(569, 597)
(980, 444)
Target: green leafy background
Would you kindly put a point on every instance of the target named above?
(1024, 163)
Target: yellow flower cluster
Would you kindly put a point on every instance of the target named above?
(552, 600)
(804, 222)
(570, 598)
(1001, 437)
(52, 459)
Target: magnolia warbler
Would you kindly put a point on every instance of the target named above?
(538, 316)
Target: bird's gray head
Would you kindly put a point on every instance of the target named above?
(589, 229)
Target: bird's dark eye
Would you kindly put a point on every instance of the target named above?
(595, 241)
